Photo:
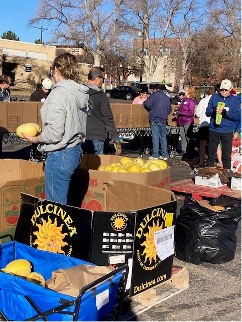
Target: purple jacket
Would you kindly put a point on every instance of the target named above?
(186, 111)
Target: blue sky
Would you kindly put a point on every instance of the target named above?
(15, 15)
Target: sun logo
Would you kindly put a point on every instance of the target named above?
(149, 243)
(50, 236)
(119, 222)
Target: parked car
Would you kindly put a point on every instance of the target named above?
(123, 92)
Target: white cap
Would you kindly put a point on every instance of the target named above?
(226, 84)
(47, 83)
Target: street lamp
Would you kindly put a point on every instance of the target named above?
(120, 76)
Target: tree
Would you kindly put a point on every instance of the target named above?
(93, 23)
(10, 35)
(225, 16)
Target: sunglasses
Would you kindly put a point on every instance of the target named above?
(224, 90)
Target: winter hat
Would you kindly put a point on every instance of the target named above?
(226, 84)
(46, 83)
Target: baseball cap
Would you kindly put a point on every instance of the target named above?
(46, 83)
(226, 84)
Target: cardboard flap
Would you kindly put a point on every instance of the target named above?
(128, 196)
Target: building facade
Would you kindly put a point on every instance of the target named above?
(25, 62)
(28, 63)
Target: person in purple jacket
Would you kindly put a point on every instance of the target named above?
(185, 121)
(223, 131)
(158, 105)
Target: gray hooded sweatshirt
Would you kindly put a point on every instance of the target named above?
(64, 115)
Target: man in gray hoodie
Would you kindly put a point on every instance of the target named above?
(63, 115)
(100, 117)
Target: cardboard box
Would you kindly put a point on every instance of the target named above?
(13, 114)
(3, 117)
(39, 120)
(213, 181)
(130, 116)
(87, 183)
(17, 176)
(117, 112)
(131, 228)
(236, 183)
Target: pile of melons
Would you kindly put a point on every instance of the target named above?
(138, 165)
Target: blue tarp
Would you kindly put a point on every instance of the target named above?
(14, 291)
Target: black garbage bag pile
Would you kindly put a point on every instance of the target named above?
(207, 231)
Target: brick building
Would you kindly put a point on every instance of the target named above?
(27, 63)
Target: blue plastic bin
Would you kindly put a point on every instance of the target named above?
(23, 300)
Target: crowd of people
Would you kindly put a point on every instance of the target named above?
(76, 119)
(215, 140)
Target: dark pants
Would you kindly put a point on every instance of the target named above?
(226, 142)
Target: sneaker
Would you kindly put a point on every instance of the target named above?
(163, 158)
(152, 158)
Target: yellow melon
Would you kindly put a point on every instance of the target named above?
(125, 160)
(108, 168)
(122, 170)
(21, 267)
(140, 161)
(101, 168)
(134, 168)
(161, 163)
(113, 164)
(115, 168)
(36, 278)
(145, 169)
(37, 127)
(28, 128)
(154, 166)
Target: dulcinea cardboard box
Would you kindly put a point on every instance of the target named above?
(136, 226)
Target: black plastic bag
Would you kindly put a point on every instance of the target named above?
(202, 234)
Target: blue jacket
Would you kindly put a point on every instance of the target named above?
(158, 105)
(230, 119)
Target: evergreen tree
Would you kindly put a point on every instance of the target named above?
(10, 35)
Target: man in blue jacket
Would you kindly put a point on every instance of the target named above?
(222, 131)
(158, 105)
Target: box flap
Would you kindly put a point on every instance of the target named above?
(128, 196)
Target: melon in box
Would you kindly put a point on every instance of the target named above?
(86, 189)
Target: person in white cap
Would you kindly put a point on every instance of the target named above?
(42, 91)
(228, 107)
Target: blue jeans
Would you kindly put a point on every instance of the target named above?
(93, 147)
(60, 166)
(158, 130)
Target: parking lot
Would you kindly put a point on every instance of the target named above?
(214, 292)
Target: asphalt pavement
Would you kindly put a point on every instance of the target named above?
(214, 292)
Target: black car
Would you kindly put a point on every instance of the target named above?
(123, 92)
